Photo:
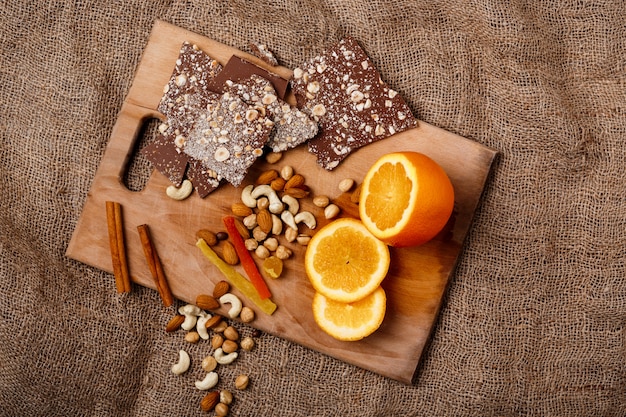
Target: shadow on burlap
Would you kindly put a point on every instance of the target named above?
(533, 322)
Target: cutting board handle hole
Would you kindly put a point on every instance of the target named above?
(138, 168)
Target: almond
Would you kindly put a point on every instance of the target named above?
(206, 302)
(267, 177)
(296, 192)
(242, 229)
(241, 210)
(210, 400)
(174, 323)
(213, 321)
(221, 288)
(229, 254)
(296, 180)
(264, 220)
(278, 184)
(209, 237)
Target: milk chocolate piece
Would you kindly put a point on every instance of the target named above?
(191, 77)
(238, 69)
(292, 127)
(204, 180)
(184, 97)
(229, 137)
(344, 92)
(167, 158)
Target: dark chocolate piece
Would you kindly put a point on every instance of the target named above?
(343, 91)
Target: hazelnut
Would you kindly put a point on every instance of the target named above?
(246, 315)
(221, 410)
(217, 341)
(226, 397)
(209, 363)
(241, 382)
(192, 337)
(247, 343)
(231, 333)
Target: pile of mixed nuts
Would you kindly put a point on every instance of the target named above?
(224, 338)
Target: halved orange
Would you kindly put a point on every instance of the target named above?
(345, 262)
(406, 199)
(350, 321)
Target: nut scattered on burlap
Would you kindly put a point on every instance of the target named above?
(533, 322)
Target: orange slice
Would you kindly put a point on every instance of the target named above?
(350, 321)
(345, 262)
(406, 199)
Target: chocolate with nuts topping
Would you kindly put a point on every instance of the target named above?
(229, 137)
(343, 91)
(292, 127)
(184, 95)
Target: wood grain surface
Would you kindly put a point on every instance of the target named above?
(417, 278)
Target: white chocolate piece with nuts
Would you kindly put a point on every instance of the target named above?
(183, 363)
(224, 359)
(235, 304)
(210, 380)
(180, 193)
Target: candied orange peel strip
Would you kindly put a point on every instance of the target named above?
(236, 279)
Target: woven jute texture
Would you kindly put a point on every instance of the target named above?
(534, 319)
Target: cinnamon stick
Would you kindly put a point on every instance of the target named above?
(155, 266)
(117, 245)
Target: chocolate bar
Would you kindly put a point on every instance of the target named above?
(292, 127)
(230, 136)
(343, 91)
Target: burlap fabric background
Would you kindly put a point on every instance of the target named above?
(534, 319)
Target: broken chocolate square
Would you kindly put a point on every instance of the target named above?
(238, 69)
(344, 92)
(184, 96)
(167, 158)
(191, 77)
(292, 127)
(229, 137)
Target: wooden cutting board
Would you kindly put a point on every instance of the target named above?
(417, 278)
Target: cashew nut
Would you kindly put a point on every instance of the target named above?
(191, 313)
(183, 363)
(307, 218)
(209, 381)
(246, 197)
(276, 206)
(289, 220)
(180, 193)
(222, 358)
(235, 304)
(277, 225)
(201, 325)
(292, 204)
